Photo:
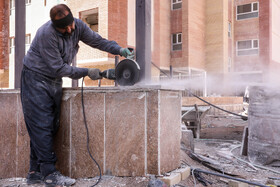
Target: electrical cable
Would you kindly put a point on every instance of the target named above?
(254, 165)
(86, 126)
(243, 117)
(229, 177)
(193, 176)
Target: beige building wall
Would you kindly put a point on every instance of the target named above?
(216, 36)
(275, 24)
(131, 22)
(196, 33)
(87, 54)
(164, 33)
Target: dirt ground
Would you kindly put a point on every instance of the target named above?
(220, 142)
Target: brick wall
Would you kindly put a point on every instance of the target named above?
(265, 34)
(241, 32)
(4, 34)
(164, 32)
(117, 22)
(87, 53)
(216, 36)
(231, 38)
(191, 21)
(196, 34)
(275, 38)
(275, 28)
(4, 44)
(176, 27)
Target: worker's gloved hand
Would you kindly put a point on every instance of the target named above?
(127, 53)
(94, 73)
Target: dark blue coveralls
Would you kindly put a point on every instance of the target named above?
(49, 59)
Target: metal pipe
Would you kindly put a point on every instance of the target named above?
(143, 38)
(19, 39)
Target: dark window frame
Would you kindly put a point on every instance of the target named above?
(248, 51)
(177, 43)
(248, 14)
(176, 4)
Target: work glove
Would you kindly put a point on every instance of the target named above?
(127, 53)
(94, 73)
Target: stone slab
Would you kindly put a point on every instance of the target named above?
(132, 132)
(170, 130)
(81, 163)
(152, 133)
(8, 134)
(62, 139)
(125, 133)
(23, 144)
(187, 140)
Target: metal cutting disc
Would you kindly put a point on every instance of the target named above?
(127, 72)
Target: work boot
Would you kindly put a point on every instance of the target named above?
(57, 179)
(34, 178)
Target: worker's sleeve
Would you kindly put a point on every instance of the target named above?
(50, 53)
(93, 39)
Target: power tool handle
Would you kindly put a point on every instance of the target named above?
(130, 49)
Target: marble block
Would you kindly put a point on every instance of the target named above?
(133, 131)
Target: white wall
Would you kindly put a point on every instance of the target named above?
(36, 15)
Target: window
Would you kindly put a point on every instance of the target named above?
(247, 11)
(229, 64)
(11, 43)
(12, 6)
(91, 18)
(27, 2)
(229, 29)
(176, 4)
(27, 39)
(247, 47)
(177, 42)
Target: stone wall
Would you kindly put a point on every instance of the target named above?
(132, 132)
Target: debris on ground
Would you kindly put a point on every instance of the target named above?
(216, 155)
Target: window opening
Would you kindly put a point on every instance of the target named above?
(247, 11)
(177, 42)
(176, 4)
(247, 47)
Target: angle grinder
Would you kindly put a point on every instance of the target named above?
(126, 72)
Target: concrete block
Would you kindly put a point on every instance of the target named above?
(125, 133)
(170, 129)
(232, 183)
(81, 163)
(187, 140)
(171, 180)
(132, 132)
(152, 133)
(8, 134)
(184, 172)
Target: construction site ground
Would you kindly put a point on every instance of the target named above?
(218, 146)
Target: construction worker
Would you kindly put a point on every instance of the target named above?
(48, 60)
